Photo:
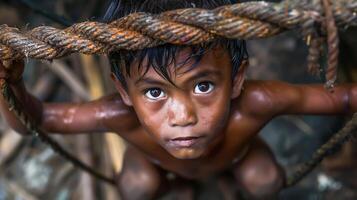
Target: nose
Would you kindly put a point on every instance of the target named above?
(181, 112)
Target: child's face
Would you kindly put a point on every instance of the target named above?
(188, 118)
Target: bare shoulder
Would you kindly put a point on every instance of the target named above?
(115, 115)
(264, 98)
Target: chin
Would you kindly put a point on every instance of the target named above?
(187, 153)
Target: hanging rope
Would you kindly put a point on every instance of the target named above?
(317, 20)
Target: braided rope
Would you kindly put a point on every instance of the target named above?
(190, 26)
(332, 41)
(326, 149)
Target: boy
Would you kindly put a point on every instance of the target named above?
(185, 110)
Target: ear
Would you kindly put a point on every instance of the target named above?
(122, 91)
(237, 85)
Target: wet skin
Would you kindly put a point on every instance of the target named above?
(197, 127)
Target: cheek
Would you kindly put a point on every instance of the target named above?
(214, 119)
(151, 116)
(214, 112)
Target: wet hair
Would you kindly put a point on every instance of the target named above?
(160, 57)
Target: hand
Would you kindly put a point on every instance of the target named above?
(11, 70)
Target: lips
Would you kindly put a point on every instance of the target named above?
(185, 142)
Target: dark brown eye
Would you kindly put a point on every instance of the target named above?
(203, 88)
(154, 93)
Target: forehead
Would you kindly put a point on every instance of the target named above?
(184, 63)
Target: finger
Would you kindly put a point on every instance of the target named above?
(3, 74)
(7, 63)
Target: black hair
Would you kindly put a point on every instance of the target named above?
(162, 56)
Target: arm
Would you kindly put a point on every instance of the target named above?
(105, 114)
(278, 98)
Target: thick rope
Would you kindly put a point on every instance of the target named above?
(190, 26)
(16, 108)
(326, 149)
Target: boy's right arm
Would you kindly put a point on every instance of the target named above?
(106, 114)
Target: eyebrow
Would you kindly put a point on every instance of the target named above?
(201, 74)
(148, 80)
(204, 73)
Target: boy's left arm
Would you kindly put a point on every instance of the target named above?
(283, 98)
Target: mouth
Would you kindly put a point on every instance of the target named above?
(185, 142)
